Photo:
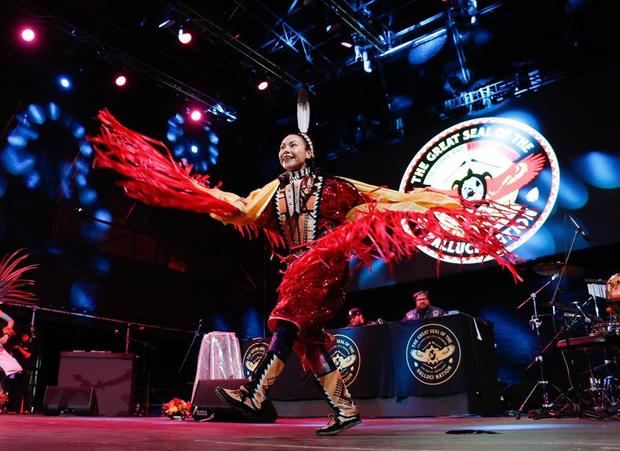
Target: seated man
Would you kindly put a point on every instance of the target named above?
(356, 318)
(423, 307)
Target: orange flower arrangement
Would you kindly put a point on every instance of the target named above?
(177, 408)
(4, 399)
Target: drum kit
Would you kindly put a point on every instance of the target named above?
(589, 343)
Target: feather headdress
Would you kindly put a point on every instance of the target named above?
(303, 117)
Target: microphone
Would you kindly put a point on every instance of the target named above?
(585, 317)
(583, 233)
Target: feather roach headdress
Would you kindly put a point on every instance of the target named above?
(303, 117)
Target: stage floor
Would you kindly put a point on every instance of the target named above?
(23, 432)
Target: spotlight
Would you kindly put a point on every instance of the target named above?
(184, 37)
(193, 148)
(64, 82)
(195, 115)
(27, 34)
(263, 85)
(346, 44)
(120, 81)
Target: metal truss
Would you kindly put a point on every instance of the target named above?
(210, 28)
(352, 19)
(496, 92)
(292, 38)
(288, 37)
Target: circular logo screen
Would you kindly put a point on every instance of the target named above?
(496, 159)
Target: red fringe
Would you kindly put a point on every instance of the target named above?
(152, 175)
(380, 235)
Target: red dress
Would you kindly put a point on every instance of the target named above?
(313, 300)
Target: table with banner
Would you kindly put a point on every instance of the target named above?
(428, 367)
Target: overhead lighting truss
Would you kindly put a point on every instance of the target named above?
(110, 53)
(495, 93)
(210, 28)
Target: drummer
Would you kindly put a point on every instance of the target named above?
(612, 289)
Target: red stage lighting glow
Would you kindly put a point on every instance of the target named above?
(263, 85)
(195, 115)
(27, 34)
(120, 80)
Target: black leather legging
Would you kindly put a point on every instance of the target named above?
(317, 356)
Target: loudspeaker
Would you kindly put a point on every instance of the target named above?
(206, 406)
(111, 374)
(70, 401)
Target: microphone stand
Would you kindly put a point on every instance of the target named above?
(542, 383)
(191, 346)
(563, 271)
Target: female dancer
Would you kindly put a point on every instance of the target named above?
(319, 223)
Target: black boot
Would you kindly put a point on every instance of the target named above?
(339, 398)
(249, 398)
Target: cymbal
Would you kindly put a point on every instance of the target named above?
(551, 268)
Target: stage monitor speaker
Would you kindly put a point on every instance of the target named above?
(208, 407)
(70, 401)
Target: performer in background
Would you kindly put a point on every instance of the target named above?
(12, 291)
(8, 365)
(19, 387)
(317, 223)
(423, 307)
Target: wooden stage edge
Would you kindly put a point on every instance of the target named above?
(25, 432)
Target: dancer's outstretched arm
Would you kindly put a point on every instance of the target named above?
(151, 175)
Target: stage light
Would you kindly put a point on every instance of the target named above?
(366, 63)
(195, 115)
(65, 82)
(263, 85)
(184, 37)
(27, 34)
(346, 44)
(193, 148)
(120, 81)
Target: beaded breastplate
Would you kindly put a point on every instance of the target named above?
(297, 206)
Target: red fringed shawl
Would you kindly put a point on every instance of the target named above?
(372, 231)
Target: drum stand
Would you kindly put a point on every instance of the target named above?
(601, 399)
(542, 384)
